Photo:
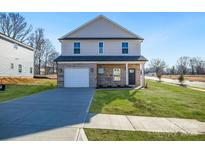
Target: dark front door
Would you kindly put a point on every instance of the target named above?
(131, 76)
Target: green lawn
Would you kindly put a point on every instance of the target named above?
(118, 135)
(159, 99)
(20, 90)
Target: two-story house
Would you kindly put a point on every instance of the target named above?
(16, 58)
(100, 53)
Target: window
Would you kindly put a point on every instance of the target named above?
(12, 65)
(20, 68)
(124, 47)
(131, 70)
(77, 48)
(31, 70)
(116, 74)
(101, 46)
(100, 70)
(15, 46)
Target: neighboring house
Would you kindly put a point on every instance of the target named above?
(100, 53)
(16, 58)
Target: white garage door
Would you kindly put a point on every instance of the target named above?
(76, 77)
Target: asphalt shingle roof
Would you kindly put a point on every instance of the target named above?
(99, 58)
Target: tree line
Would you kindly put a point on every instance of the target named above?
(184, 65)
(15, 26)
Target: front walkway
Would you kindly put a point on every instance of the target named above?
(140, 123)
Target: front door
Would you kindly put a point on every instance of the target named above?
(131, 76)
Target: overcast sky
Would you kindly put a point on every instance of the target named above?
(166, 35)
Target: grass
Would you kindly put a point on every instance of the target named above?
(19, 90)
(118, 135)
(159, 100)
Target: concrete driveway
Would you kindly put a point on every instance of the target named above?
(52, 115)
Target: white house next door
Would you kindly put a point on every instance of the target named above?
(76, 77)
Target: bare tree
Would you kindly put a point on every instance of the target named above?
(14, 26)
(182, 65)
(173, 70)
(51, 59)
(48, 50)
(158, 66)
(200, 66)
(192, 64)
(37, 41)
(44, 51)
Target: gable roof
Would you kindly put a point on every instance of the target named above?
(7, 38)
(110, 30)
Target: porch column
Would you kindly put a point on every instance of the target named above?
(142, 75)
(126, 73)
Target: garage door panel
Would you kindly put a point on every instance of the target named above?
(76, 77)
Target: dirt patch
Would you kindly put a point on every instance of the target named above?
(53, 76)
(23, 80)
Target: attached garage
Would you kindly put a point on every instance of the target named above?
(76, 77)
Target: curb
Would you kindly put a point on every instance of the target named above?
(81, 135)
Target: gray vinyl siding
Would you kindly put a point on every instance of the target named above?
(111, 47)
(101, 27)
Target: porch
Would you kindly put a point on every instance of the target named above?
(120, 74)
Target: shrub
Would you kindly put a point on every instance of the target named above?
(159, 75)
(181, 78)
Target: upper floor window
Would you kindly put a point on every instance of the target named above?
(76, 47)
(124, 47)
(20, 68)
(101, 47)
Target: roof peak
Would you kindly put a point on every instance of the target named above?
(107, 19)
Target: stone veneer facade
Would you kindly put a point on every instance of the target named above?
(106, 79)
(96, 79)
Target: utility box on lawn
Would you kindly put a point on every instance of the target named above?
(2, 87)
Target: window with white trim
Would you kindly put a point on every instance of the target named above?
(12, 65)
(124, 47)
(100, 70)
(76, 48)
(101, 47)
(20, 68)
(116, 74)
(31, 70)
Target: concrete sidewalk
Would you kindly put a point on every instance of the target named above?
(189, 83)
(140, 123)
